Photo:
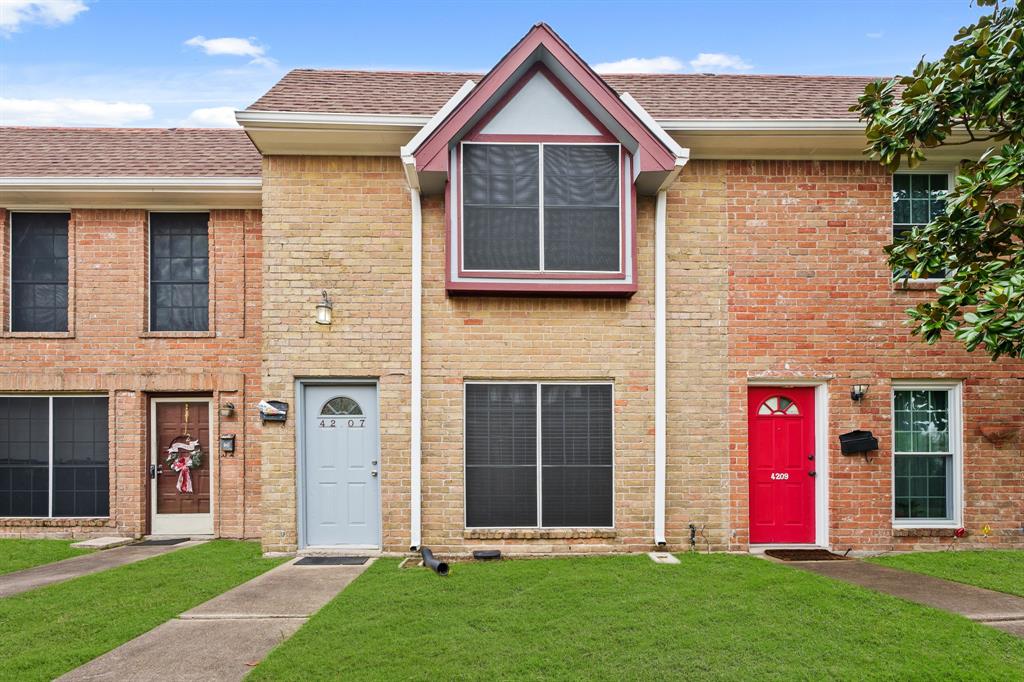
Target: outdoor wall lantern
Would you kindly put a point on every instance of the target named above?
(227, 410)
(858, 392)
(323, 310)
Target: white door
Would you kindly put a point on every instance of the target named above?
(341, 483)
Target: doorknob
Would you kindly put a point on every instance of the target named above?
(812, 473)
(810, 457)
(374, 473)
(152, 471)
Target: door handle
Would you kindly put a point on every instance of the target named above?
(810, 457)
(152, 471)
(812, 474)
(373, 473)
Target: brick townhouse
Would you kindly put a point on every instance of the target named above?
(535, 309)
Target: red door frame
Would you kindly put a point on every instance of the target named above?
(781, 456)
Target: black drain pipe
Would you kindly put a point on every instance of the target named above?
(439, 567)
(693, 536)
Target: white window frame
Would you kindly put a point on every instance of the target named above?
(950, 174)
(49, 435)
(539, 454)
(540, 209)
(954, 390)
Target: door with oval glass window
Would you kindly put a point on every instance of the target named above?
(781, 465)
(341, 476)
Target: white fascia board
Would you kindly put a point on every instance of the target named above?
(437, 119)
(767, 125)
(141, 184)
(297, 119)
(681, 153)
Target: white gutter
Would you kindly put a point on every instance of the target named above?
(773, 125)
(313, 119)
(416, 371)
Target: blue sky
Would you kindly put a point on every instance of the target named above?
(186, 62)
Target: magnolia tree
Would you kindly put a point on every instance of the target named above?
(974, 93)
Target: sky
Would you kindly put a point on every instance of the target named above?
(193, 63)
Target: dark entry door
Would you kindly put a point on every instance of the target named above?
(174, 511)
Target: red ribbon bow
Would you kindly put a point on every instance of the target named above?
(184, 484)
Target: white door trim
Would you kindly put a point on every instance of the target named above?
(181, 524)
(821, 453)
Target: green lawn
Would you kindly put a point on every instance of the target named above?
(995, 569)
(713, 616)
(18, 554)
(51, 630)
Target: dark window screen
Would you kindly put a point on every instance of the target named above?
(500, 221)
(24, 456)
(39, 272)
(581, 207)
(179, 272)
(80, 457)
(501, 455)
(576, 446)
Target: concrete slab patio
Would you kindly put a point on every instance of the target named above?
(59, 571)
(229, 634)
(998, 609)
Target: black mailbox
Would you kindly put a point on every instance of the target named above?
(856, 442)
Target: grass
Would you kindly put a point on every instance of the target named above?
(712, 617)
(996, 569)
(51, 630)
(18, 554)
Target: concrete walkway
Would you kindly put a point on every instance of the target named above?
(59, 571)
(225, 637)
(998, 609)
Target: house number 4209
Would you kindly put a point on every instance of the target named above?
(780, 477)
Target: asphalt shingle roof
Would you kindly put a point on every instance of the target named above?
(127, 152)
(665, 96)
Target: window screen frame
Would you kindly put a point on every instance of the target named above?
(539, 460)
(210, 290)
(625, 201)
(954, 391)
(50, 397)
(7, 266)
(893, 225)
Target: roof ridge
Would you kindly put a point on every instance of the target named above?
(420, 72)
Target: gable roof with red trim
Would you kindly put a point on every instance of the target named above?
(542, 44)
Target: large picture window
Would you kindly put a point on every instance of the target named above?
(54, 456)
(39, 272)
(555, 476)
(179, 272)
(541, 208)
(925, 455)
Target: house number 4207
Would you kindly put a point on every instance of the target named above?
(780, 477)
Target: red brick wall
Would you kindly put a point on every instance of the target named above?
(107, 350)
(811, 297)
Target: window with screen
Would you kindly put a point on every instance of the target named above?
(917, 198)
(558, 475)
(74, 481)
(541, 207)
(924, 452)
(179, 272)
(39, 272)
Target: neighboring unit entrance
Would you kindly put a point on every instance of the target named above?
(341, 483)
(181, 421)
(782, 465)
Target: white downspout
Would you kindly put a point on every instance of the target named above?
(660, 367)
(416, 370)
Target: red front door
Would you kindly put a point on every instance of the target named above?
(781, 459)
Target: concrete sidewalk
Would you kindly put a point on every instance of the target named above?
(59, 571)
(997, 609)
(228, 635)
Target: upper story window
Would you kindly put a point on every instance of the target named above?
(916, 199)
(39, 272)
(541, 208)
(179, 271)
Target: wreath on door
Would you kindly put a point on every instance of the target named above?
(184, 454)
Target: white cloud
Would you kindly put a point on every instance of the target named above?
(239, 47)
(717, 62)
(67, 111)
(212, 117)
(875, 35)
(16, 13)
(641, 65)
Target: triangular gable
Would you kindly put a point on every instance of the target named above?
(541, 44)
(538, 107)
